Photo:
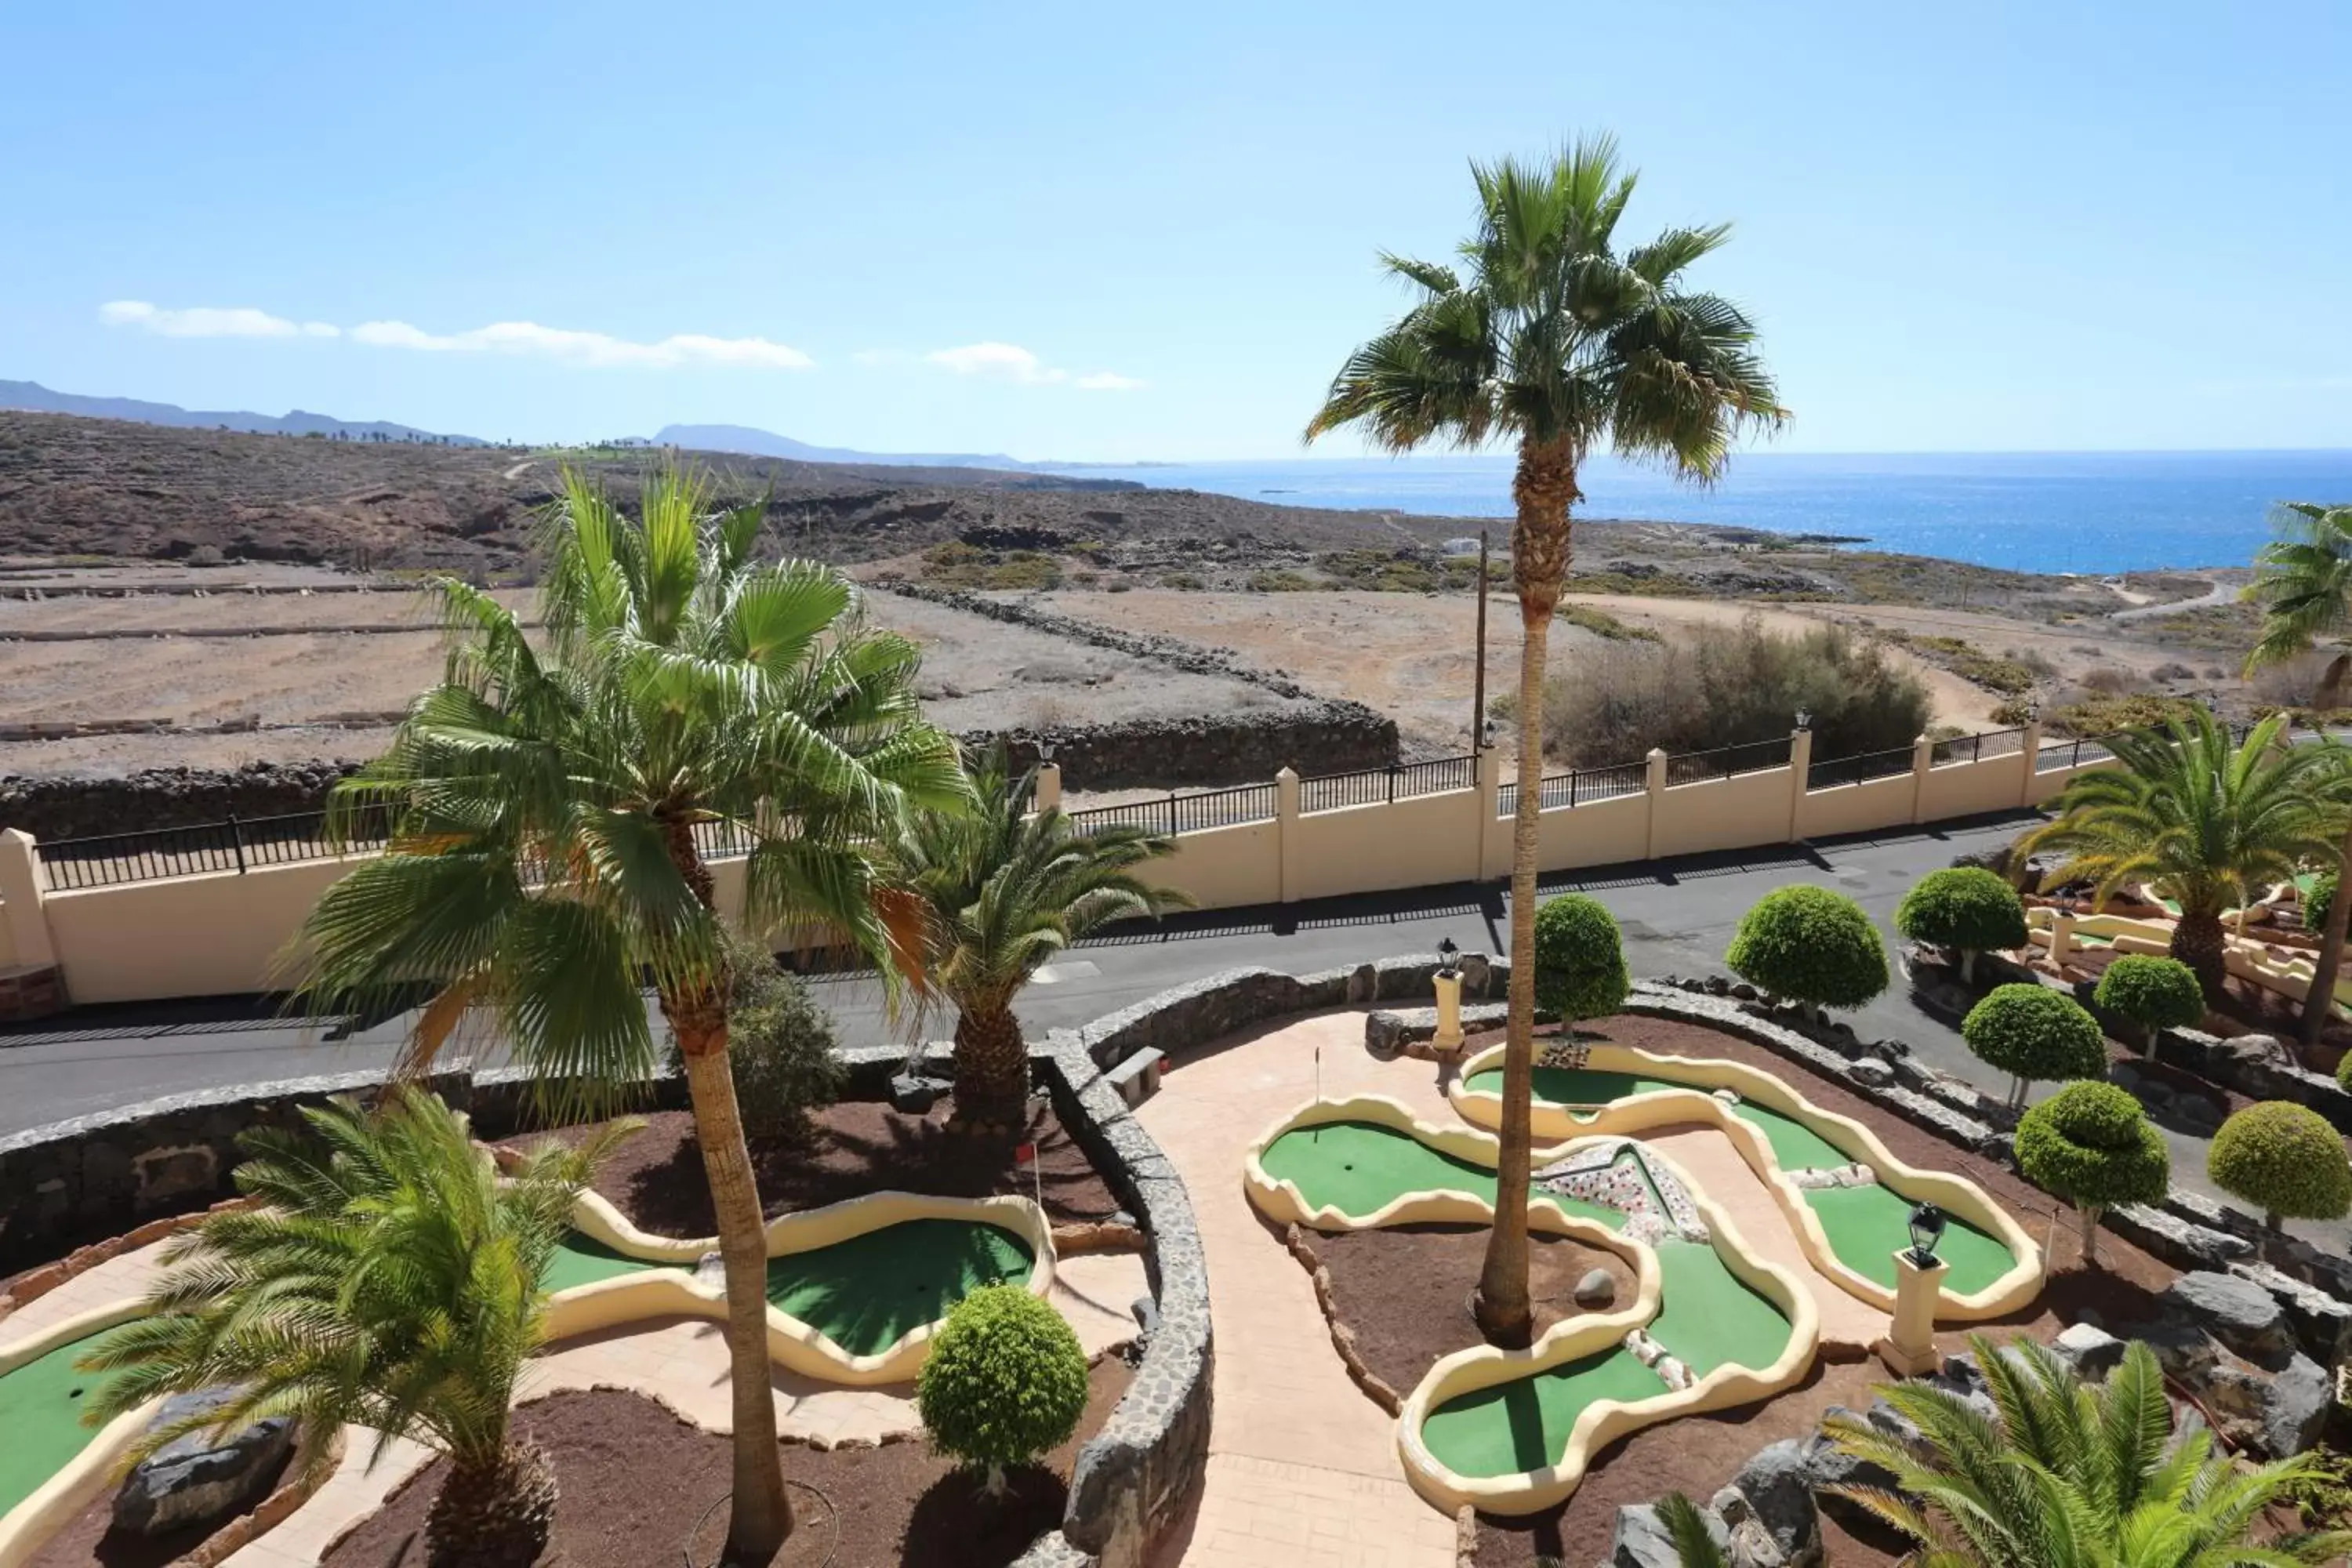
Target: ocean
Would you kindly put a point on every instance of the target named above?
(2094, 512)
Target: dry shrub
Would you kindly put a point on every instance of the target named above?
(1720, 685)
(2291, 684)
(2108, 680)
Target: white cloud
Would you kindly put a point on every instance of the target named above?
(208, 322)
(1011, 362)
(500, 337)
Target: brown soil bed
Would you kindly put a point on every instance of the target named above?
(898, 1503)
(90, 1541)
(1697, 1454)
(1406, 1290)
(862, 1146)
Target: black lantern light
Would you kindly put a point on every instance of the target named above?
(1804, 718)
(1926, 1230)
(1447, 955)
(1045, 751)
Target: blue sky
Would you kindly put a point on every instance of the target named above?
(1113, 233)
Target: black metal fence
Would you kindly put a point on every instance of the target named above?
(1979, 748)
(1186, 813)
(1578, 787)
(1377, 786)
(1829, 772)
(2056, 754)
(239, 843)
(1727, 762)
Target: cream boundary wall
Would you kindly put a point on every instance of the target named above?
(227, 933)
(663, 1292)
(1637, 1113)
(1484, 1366)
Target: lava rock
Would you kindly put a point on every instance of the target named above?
(1872, 1071)
(1827, 1466)
(2091, 1352)
(1773, 1491)
(1642, 1541)
(199, 1477)
(2294, 1407)
(1596, 1288)
(2238, 1312)
(914, 1096)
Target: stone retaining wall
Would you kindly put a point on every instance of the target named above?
(79, 807)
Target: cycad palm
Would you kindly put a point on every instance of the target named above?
(2066, 1475)
(2303, 580)
(549, 814)
(390, 1280)
(1550, 338)
(2204, 823)
(1001, 892)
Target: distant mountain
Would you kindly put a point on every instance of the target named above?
(755, 443)
(33, 397)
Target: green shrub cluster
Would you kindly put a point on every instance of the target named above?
(2319, 901)
(2093, 1145)
(2034, 1033)
(1963, 907)
(1601, 623)
(1580, 959)
(2154, 993)
(780, 1047)
(2104, 715)
(956, 564)
(1282, 580)
(1810, 945)
(1004, 1382)
(2285, 1159)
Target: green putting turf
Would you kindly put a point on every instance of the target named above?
(1581, 1085)
(1523, 1424)
(868, 1292)
(40, 1410)
(1795, 1145)
(1360, 1167)
(1867, 1226)
(1708, 1317)
(583, 1261)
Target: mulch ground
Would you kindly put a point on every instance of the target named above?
(89, 1540)
(858, 1508)
(860, 1146)
(1698, 1455)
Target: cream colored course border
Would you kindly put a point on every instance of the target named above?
(584, 1308)
(1484, 1366)
(1637, 1114)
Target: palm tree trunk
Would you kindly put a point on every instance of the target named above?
(2321, 1003)
(2199, 942)
(991, 1065)
(492, 1514)
(1544, 489)
(761, 1514)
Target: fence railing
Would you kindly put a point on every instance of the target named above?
(1727, 762)
(1831, 772)
(1578, 787)
(239, 843)
(1377, 786)
(2076, 753)
(1979, 748)
(1194, 813)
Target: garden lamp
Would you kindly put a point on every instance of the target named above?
(1045, 751)
(1804, 718)
(1447, 954)
(1926, 1230)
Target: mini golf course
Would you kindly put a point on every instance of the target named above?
(867, 1294)
(40, 1410)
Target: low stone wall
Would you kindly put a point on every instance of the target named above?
(79, 806)
(1235, 748)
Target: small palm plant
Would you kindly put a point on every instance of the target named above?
(390, 1280)
(1001, 889)
(2203, 823)
(2068, 1473)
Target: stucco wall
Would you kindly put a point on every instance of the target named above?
(1857, 808)
(1594, 835)
(1226, 868)
(190, 936)
(1970, 789)
(1723, 814)
(1416, 843)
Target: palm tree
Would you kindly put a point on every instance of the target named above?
(550, 817)
(2304, 580)
(2203, 823)
(389, 1280)
(1549, 338)
(1001, 891)
(2065, 1473)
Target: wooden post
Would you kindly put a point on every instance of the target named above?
(1478, 673)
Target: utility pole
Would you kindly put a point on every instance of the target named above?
(1479, 676)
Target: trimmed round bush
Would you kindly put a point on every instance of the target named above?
(2286, 1160)
(2093, 1145)
(2032, 1032)
(1580, 959)
(2344, 1070)
(1811, 946)
(1963, 907)
(2315, 905)
(1005, 1381)
(2152, 991)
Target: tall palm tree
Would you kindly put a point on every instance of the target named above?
(2204, 823)
(2303, 580)
(389, 1280)
(1001, 892)
(551, 815)
(2066, 1473)
(1552, 339)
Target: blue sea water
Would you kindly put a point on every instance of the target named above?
(2094, 512)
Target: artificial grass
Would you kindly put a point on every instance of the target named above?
(1360, 1167)
(40, 1410)
(1709, 1317)
(868, 1292)
(1867, 1226)
(1795, 1145)
(1581, 1085)
(1523, 1424)
(581, 1260)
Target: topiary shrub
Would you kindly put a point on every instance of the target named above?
(2152, 991)
(1580, 960)
(2093, 1145)
(779, 1047)
(2032, 1032)
(2316, 902)
(1005, 1381)
(2344, 1070)
(1811, 946)
(2286, 1160)
(1965, 908)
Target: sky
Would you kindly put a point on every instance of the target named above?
(1115, 233)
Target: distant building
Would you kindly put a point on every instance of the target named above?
(1461, 547)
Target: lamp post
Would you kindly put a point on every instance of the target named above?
(1909, 1348)
(1448, 982)
(1804, 718)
